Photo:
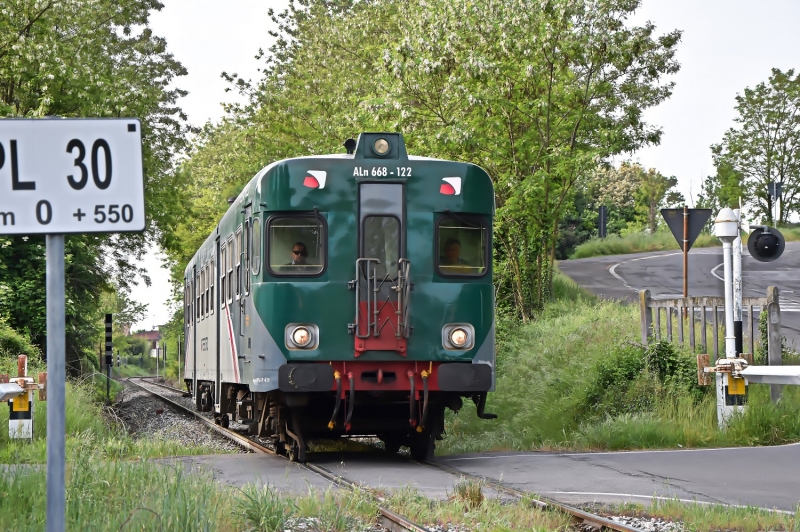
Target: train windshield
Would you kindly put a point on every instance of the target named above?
(462, 246)
(296, 245)
(382, 242)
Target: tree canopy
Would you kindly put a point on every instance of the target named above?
(88, 58)
(536, 93)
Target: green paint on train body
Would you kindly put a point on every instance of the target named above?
(326, 300)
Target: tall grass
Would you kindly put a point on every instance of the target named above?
(577, 378)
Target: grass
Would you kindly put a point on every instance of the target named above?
(577, 379)
(702, 517)
(659, 241)
(89, 425)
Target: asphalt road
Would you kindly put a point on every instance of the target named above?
(622, 276)
(768, 477)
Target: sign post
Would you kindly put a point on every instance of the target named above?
(61, 176)
(686, 225)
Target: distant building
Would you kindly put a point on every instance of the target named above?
(153, 338)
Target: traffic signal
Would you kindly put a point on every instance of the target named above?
(765, 243)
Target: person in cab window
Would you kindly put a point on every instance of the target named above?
(452, 254)
(299, 254)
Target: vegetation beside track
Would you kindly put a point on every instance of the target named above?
(658, 241)
(577, 378)
(89, 424)
(699, 516)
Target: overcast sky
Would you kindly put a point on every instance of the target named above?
(727, 45)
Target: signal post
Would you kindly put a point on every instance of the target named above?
(57, 177)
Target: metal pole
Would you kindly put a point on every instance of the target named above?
(737, 289)
(730, 339)
(56, 386)
(685, 251)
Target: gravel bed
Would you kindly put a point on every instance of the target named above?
(648, 524)
(145, 416)
(317, 524)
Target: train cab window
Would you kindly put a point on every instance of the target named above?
(461, 246)
(382, 242)
(297, 245)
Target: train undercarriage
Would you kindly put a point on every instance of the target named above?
(413, 417)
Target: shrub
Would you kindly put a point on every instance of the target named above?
(13, 343)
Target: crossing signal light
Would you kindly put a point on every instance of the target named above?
(765, 243)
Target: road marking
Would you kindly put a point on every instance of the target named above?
(619, 277)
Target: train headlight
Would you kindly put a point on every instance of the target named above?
(381, 147)
(301, 337)
(459, 337)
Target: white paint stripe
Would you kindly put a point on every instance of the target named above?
(659, 498)
(234, 357)
(613, 269)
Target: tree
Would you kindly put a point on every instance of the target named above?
(80, 59)
(765, 145)
(654, 193)
(537, 94)
(724, 189)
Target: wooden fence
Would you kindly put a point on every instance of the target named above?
(693, 316)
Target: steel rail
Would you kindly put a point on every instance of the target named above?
(581, 516)
(387, 519)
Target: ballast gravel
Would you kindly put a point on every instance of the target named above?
(648, 524)
(145, 416)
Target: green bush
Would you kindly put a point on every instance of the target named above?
(13, 343)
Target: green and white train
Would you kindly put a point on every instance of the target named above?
(346, 294)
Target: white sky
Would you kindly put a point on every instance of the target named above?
(727, 45)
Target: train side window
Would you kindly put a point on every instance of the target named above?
(297, 245)
(238, 261)
(186, 298)
(202, 293)
(198, 286)
(207, 286)
(222, 262)
(255, 260)
(213, 275)
(462, 246)
(231, 253)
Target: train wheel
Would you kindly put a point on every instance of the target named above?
(225, 421)
(198, 400)
(422, 444)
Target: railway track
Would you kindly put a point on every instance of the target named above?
(388, 519)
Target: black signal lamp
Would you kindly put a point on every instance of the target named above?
(765, 243)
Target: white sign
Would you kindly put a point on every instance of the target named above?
(71, 176)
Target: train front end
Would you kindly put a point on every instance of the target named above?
(377, 289)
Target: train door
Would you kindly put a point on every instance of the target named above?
(382, 271)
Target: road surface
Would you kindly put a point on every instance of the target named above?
(622, 276)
